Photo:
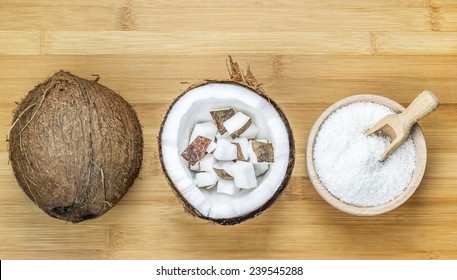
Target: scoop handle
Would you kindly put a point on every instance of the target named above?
(423, 105)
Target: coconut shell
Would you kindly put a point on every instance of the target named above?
(237, 77)
(75, 147)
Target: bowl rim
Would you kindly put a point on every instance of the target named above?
(418, 173)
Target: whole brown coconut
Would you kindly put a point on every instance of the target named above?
(75, 147)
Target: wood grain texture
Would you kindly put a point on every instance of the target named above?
(308, 55)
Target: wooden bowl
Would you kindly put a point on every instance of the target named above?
(418, 173)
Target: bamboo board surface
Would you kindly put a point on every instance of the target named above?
(308, 55)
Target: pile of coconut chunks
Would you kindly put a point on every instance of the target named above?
(226, 153)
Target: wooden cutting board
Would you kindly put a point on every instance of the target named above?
(308, 55)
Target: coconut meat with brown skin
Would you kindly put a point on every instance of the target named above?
(237, 124)
(220, 116)
(242, 145)
(261, 151)
(196, 150)
(194, 107)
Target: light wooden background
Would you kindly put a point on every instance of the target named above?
(308, 54)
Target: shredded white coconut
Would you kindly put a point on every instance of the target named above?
(348, 162)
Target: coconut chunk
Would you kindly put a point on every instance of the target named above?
(225, 150)
(237, 124)
(222, 169)
(261, 151)
(206, 129)
(264, 152)
(220, 116)
(196, 150)
(242, 145)
(207, 163)
(261, 168)
(244, 175)
(227, 187)
(205, 179)
(251, 132)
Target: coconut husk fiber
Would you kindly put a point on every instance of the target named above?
(75, 147)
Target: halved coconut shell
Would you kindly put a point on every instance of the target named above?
(243, 94)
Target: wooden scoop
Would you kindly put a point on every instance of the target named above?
(398, 126)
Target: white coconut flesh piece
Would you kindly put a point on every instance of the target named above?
(225, 150)
(237, 124)
(206, 179)
(227, 187)
(207, 163)
(192, 108)
(244, 175)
